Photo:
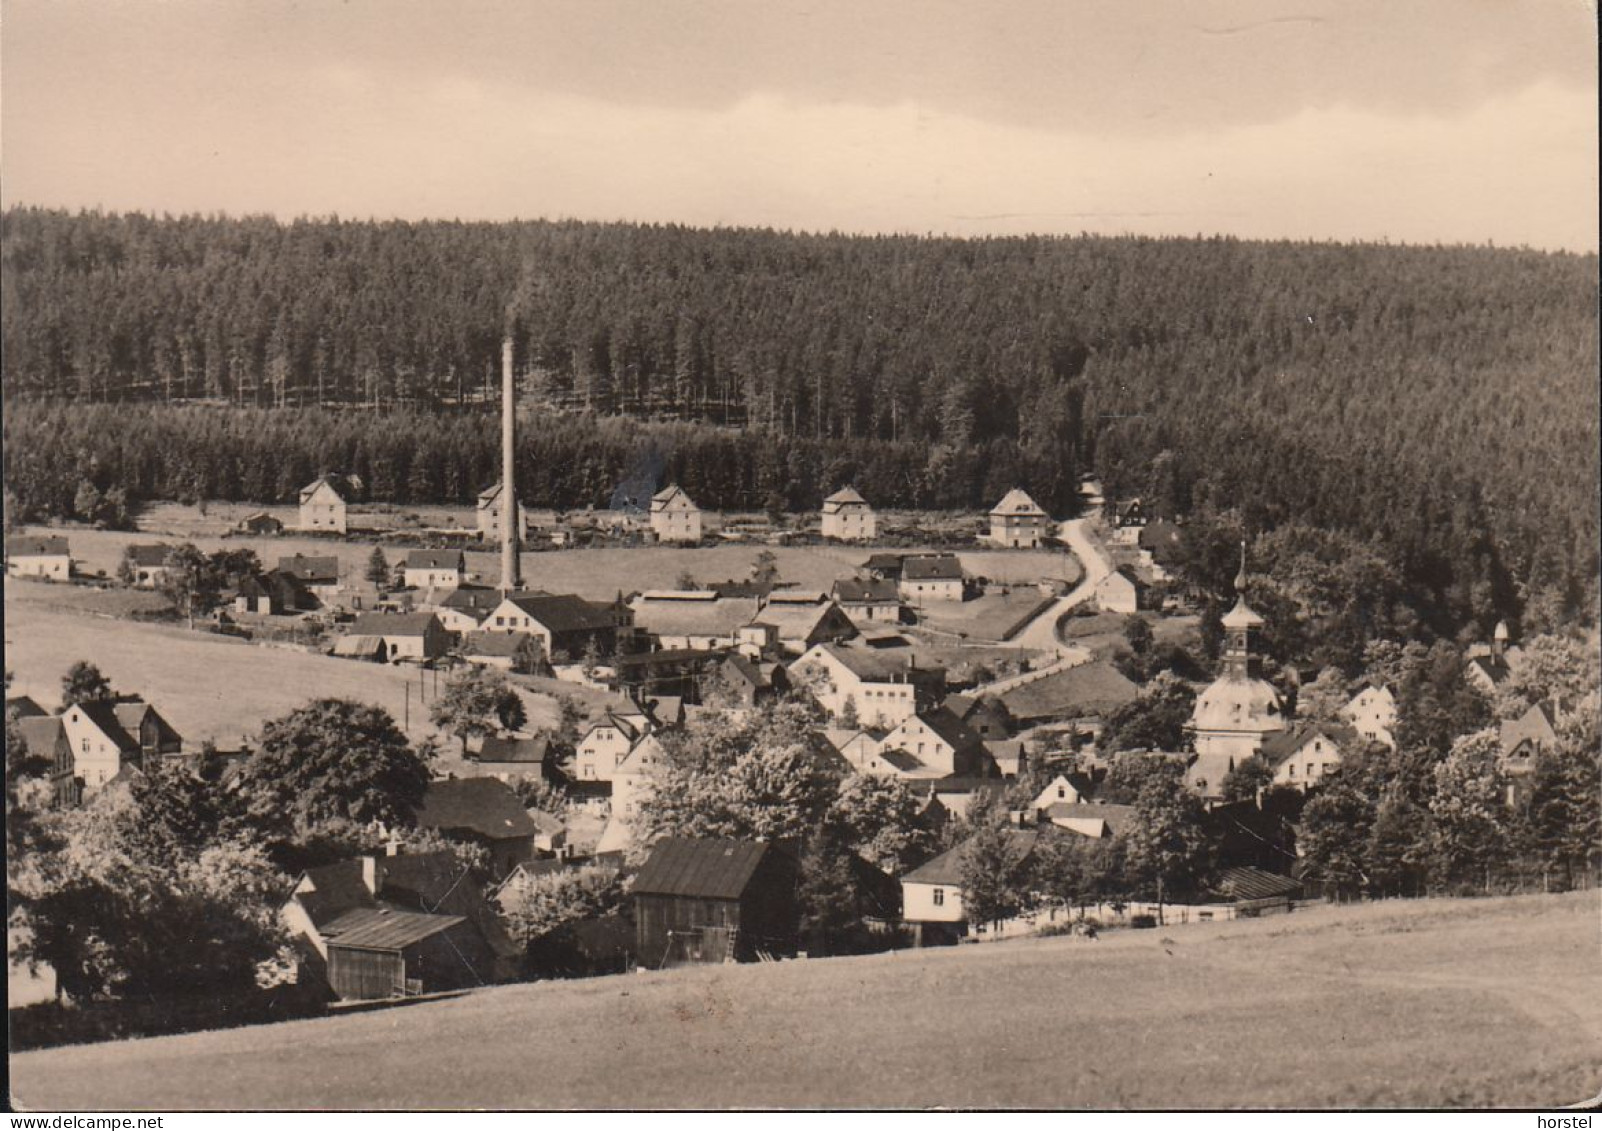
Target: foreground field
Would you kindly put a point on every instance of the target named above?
(1489, 1003)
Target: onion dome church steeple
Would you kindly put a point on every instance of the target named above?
(1239, 709)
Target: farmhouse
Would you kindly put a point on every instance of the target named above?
(931, 896)
(668, 671)
(632, 777)
(324, 502)
(872, 601)
(713, 901)
(147, 565)
(1099, 822)
(693, 618)
(273, 593)
(883, 567)
(603, 747)
(317, 575)
(1010, 755)
(985, 715)
(404, 636)
(393, 926)
(482, 811)
(1372, 711)
(489, 516)
(1019, 521)
(749, 681)
(1301, 758)
(1521, 740)
(801, 620)
(103, 739)
(1128, 518)
(565, 625)
(464, 608)
(940, 744)
(508, 651)
(1121, 591)
(881, 687)
(46, 738)
(847, 517)
(1064, 789)
(509, 756)
(674, 518)
(434, 569)
(31, 555)
(931, 577)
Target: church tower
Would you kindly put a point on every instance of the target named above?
(1239, 709)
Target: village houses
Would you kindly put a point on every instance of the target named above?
(880, 687)
(847, 517)
(318, 575)
(1121, 592)
(940, 746)
(398, 636)
(931, 577)
(324, 503)
(871, 601)
(482, 811)
(674, 518)
(1019, 522)
(693, 619)
(602, 748)
(147, 565)
(464, 608)
(32, 555)
(434, 569)
(1372, 712)
(104, 740)
(489, 516)
(1303, 757)
(565, 626)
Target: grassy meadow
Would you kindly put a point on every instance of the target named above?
(1492, 1002)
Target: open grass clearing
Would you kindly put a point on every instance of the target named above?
(211, 686)
(1483, 1003)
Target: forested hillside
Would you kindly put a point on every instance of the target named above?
(1439, 403)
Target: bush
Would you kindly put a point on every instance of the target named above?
(1140, 922)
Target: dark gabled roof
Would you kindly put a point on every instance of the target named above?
(105, 716)
(705, 869)
(949, 727)
(486, 806)
(381, 928)
(23, 707)
(932, 567)
(498, 748)
(148, 556)
(1116, 816)
(845, 496)
(890, 562)
(1286, 743)
(851, 591)
(947, 867)
(1492, 668)
(310, 570)
(1254, 883)
(563, 612)
(392, 624)
(132, 714)
(42, 733)
(501, 645)
(435, 559)
(1537, 726)
(274, 583)
(737, 666)
(1017, 503)
(36, 546)
(341, 485)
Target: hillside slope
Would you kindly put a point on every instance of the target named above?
(1492, 1002)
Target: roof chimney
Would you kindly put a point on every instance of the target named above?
(511, 513)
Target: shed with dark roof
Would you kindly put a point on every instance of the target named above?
(715, 901)
(484, 811)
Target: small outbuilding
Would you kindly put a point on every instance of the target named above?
(703, 901)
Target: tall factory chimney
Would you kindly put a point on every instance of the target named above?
(511, 513)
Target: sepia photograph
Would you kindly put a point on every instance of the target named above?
(707, 556)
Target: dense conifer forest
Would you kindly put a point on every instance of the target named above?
(1438, 404)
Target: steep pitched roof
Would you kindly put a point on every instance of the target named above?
(704, 869)
(42, 733)
(1286, 743)
(340, 484)
(800, 622)
(883, 562)
(671, 497)
(36, 546)
(1017, 503)
(23, 707)
(948, 727)
(104, 715)
(435, 559)
(486, 806)
(1537, 726)
(474, 600)
(876, 665)
(132, 715)
(844, 497)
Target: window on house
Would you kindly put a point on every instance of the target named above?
(86, 746)
(939, 897)
(1309, 769)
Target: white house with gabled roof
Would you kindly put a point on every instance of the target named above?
(847, 517)
(1019, 521)
(674, 516)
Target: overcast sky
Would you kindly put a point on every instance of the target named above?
(1407, 120)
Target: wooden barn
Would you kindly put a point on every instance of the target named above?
(379, 953)
(715, 901)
